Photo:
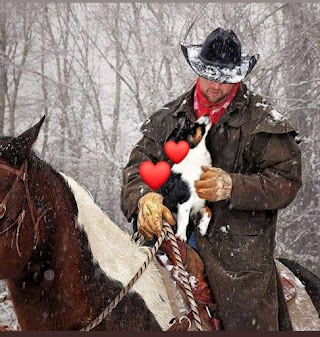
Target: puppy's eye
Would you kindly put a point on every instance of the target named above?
(193, 131)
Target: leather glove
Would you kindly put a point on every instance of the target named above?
(151, 213)
(214, 184)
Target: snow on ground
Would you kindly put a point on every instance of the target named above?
(7, 316)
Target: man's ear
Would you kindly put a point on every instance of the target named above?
(20, 147)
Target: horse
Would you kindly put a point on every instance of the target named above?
(62, 257)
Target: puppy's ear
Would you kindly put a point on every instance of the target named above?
(195, 138)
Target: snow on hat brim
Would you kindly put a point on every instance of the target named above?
(218, 73)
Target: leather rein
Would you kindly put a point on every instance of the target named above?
(21, 174)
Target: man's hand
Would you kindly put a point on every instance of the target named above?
(214, 184)
(150, 215)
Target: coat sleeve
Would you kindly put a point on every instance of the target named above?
(133, 187)
(277, 162)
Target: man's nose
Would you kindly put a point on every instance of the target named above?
(215, 85)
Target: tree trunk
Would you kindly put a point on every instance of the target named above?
(3, 64)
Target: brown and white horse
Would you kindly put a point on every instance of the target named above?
(63, 259)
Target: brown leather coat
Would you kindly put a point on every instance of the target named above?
(257, 147)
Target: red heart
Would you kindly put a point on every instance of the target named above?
(155, 175)
(176, 151)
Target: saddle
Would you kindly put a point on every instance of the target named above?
(203, 295)
(201, 290)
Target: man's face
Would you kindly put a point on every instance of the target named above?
(214, 92)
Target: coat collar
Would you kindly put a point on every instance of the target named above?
(235, 114)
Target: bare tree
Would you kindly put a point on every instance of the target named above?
(98, 70)
(3, 63)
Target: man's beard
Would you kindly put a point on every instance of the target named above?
(215, 100)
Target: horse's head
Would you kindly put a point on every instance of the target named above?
(17, 232)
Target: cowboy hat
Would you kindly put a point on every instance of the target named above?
(219, 58)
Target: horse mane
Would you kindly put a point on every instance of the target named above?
(81, 259)
(101, 229)
(116, 254)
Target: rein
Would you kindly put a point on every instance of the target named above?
(21, 174)
(184, 279)
(126, 289)
(150, 256)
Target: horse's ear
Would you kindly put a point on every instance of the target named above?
(29, 137)
(20, 146)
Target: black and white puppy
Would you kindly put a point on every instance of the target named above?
(178, 192)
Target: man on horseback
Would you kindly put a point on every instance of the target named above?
(256, 170)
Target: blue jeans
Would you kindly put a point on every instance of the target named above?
(192, 241)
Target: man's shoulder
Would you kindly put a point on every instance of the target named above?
(265, 117)
(162, 122)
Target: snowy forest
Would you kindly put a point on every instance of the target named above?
(98, 70)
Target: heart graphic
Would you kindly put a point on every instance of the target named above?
(155, 175)
(176, 151)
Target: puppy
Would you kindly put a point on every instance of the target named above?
(178, 192)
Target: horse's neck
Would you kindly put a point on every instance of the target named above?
(82, 260)
(52, 276)
(118, 256)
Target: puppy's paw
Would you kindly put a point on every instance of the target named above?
(203, 226)
(181, 236)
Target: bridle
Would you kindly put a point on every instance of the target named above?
(21, 174)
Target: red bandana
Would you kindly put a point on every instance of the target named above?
(215, 110)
